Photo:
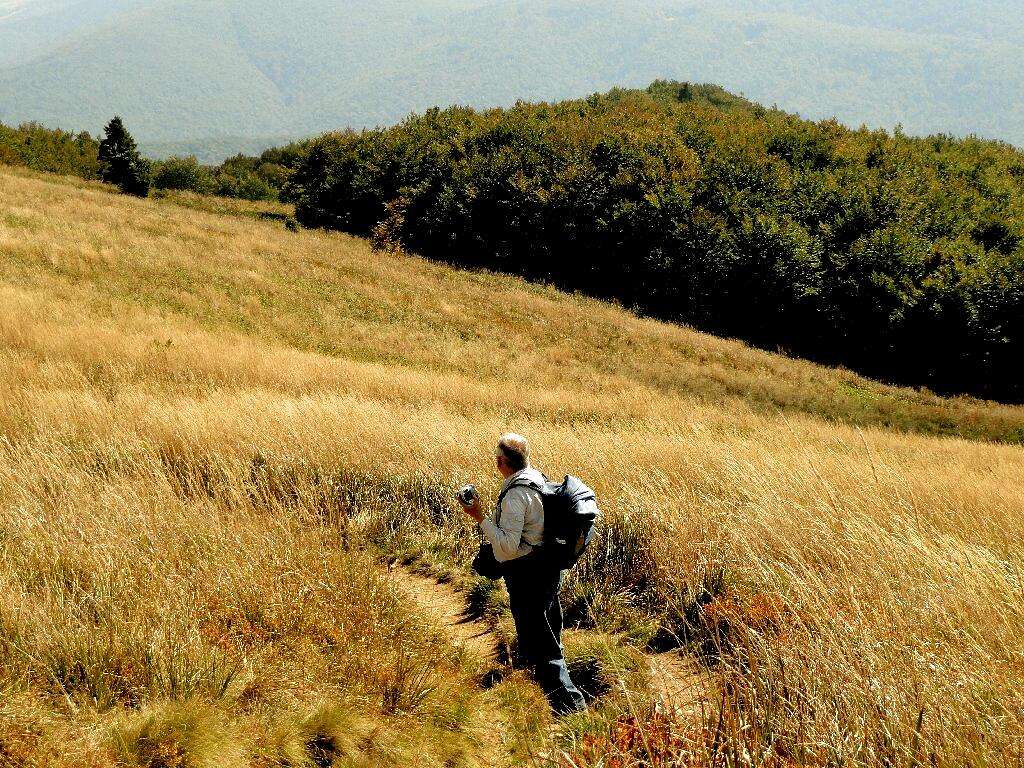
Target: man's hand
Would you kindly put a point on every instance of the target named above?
(473, 510)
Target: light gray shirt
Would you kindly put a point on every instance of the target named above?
(518, 526)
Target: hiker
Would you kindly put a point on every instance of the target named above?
(515, 532)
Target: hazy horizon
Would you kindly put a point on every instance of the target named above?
(185, 72)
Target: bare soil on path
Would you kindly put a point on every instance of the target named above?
(446, 606)
(679, 683)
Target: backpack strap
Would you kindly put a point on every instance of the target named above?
(517, 484)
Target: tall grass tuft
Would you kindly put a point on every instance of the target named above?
(184, 734)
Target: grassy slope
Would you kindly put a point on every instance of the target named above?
(330, 295)
(222, 369)
(146, 618)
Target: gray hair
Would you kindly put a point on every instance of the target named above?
(516, 450)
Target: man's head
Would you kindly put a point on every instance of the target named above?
(512, 454)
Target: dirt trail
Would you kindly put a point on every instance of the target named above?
(447, 607)
(678, 682)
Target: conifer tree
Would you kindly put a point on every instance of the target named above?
(120, 161)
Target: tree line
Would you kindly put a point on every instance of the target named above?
(898, 257)
(52, 151)
(115, 158)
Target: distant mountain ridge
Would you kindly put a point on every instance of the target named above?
(213, 150)
(251, 69)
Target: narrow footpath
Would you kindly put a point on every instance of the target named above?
(447, 607)
(680, 684)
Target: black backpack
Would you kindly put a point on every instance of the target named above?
(570, 515)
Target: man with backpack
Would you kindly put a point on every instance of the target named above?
(531, 561)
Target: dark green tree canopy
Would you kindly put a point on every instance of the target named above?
(120, 161)
(899, 257)
(116, 151)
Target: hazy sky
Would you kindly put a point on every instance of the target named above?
(192, 69)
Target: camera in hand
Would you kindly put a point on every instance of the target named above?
(466, 495)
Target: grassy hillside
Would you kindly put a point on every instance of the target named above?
(211, 423)
(898, 257)
(215, 69)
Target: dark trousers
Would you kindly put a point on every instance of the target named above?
(533, 589)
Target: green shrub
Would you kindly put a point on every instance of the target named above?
(50, 151)
(183, 173)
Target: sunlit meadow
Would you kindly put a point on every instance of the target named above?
(214, 432)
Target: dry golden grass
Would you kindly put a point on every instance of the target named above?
(201, 412)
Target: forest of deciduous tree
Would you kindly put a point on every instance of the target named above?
(896, 256)
(48, 150)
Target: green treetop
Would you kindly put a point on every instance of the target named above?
(120, 161)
